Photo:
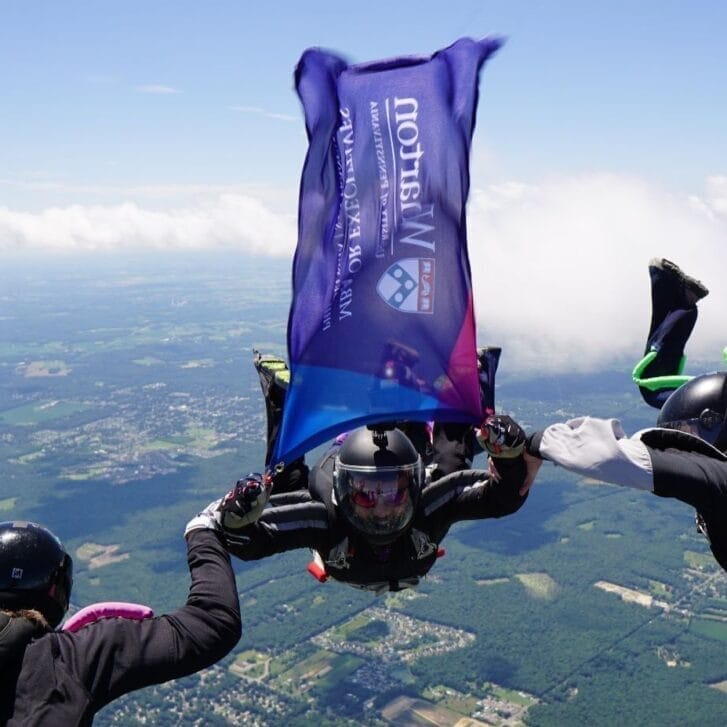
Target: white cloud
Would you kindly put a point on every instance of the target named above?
(559, 268)
(263, 112)
(229, 221)
(38, 193)
(155, 88)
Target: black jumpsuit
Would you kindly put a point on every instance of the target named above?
(309, 519)
(666, 462)
(64, 678)
(302, 513)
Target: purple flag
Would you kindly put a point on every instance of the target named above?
(382, 324)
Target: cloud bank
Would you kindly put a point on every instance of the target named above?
(231, 221)
(559, 268)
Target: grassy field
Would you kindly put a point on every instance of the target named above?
(343, 631)
(707, 627)
(252, 665)
(7, 504)
(539, 585)
(698, 560)
(323, 671)
(510, 695)
(39, 412)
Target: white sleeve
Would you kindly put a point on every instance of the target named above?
(599, 448)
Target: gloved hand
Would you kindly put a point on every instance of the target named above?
(501, 436)
(244, 504)
(205, 520)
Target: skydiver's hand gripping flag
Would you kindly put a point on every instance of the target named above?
(382, 325)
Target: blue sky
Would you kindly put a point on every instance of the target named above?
(139, 93)
(601, 137)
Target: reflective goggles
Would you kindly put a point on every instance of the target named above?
(392, 490)
(706, 426)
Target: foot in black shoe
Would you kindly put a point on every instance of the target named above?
(691, 288)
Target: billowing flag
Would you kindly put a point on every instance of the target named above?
(382, 324)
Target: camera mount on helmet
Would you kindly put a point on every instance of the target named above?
(379, 432)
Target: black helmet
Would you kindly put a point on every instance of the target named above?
(699, 407)
(377, 480)
(35, 570)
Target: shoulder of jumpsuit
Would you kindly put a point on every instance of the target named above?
(108, 609)
(662, 438)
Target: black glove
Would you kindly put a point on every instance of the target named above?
(244, 504)
(501, 436)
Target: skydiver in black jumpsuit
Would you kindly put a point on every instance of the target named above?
(60, 678)
(373, 516)
(684, 457)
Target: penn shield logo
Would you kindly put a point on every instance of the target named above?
(408, 285)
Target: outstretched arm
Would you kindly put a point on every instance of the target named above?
(115, 656)
(280, 528)
(475, 494)
(255, 525)
(596, 448)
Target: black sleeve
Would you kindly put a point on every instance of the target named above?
(281, 528)
(532, 444)
(694, 478)
(114, 656)
(476, 494)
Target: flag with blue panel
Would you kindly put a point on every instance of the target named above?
(382, 324)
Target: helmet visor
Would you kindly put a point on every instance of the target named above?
(378, 502)
(707, 426)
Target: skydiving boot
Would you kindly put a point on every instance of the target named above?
(488, 358)
(691, 289)
(273, 372)
(274, 379)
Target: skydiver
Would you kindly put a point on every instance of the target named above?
(375, 509)
(63, 677)
(685, 456)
